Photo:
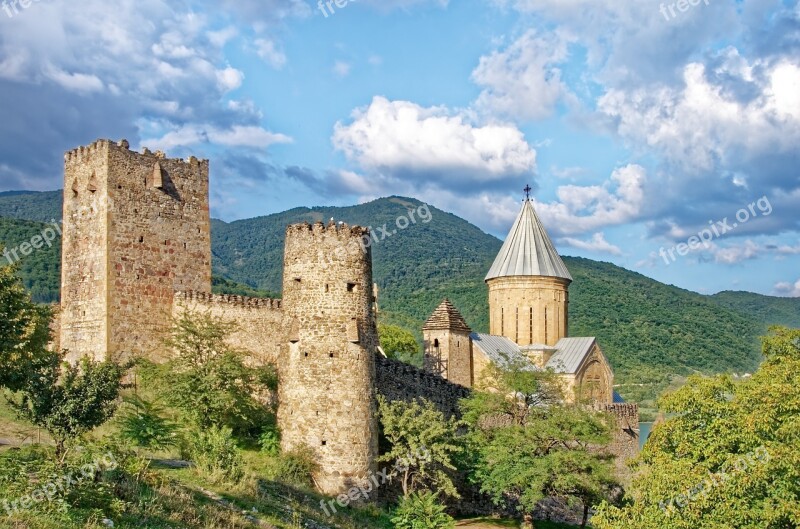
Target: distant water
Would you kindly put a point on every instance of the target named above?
(644, 432)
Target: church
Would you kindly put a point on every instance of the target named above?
(528, 321)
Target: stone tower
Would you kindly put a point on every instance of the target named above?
(448, 348)
(528, 285)
(327, 364)
(136, 229)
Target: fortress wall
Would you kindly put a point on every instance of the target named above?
(258, 320)
(399, 381)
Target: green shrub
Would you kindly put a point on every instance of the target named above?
(294, 468)
(142, 424)
(215, 454)
(422, 510)
(270, 441)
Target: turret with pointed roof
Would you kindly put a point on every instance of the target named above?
(448, 348)
(528, 285)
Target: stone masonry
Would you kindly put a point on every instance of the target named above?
(327, 363)
(529, 309)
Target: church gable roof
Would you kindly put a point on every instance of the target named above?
(446, 317)
(528, 250)
(570, 354)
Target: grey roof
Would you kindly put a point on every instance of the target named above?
(498, 349)
(570, 354)
(528, 251)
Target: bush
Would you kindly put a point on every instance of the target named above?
(270, 441)
(215, 454)
(422, 510)
(294, 468)
(142, 424)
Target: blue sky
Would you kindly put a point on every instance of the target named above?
(640, 124)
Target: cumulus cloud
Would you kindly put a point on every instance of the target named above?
(702, 126)
(268, 50)
(523, 81)
(788, 289)
(235, 136)
(403, 140)
(582, 209)
(597, 243)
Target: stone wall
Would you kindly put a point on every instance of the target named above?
(327, 363)
(136, 229)
(625, 444)
(529, 309)
(258, 321)
(399, 381)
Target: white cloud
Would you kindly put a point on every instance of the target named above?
(269, 51)
(522, 82)
(597, 243)
(341, 68)
(734, 254)
(701, 126)
(236, 136)
(788, 289)
(582, 209)
(402, 139)
(229, 79)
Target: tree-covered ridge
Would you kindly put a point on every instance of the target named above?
(41, 206)
(650, 332)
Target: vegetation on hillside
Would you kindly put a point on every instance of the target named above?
(729, 456)
(654, 335)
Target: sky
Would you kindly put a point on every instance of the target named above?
(661, 136)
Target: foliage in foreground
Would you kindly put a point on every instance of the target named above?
(142, 423)
(422, 510)
(208, 380)
(527, 447)
(400, 344)
(215, 454)
(422, 445)
(729, 457)
(70, 400)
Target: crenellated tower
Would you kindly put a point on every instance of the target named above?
(136, 229)
(327, 362)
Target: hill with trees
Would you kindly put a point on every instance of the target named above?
(653, 334)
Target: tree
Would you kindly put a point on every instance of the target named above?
(423, 444)
(527, 446)
(728, 457)
(208, 379)
(70, 400)
(421, 510)
(142, 423)
(24, 331)
(400, 344)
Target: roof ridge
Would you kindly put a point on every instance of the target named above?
(446, 317)
(528, 250)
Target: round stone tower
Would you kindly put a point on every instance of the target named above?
(327, 363)
(528, 285)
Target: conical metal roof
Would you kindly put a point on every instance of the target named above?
(528, 251)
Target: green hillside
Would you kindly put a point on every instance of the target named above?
(42, 206)
(653, 334)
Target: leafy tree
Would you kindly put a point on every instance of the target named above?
(215, 453)
(527, 446)
(421, 510)
(143, 424)
(70, 400)
(728, 457)
(24, 331)
(400, 344)
(423, 444)
(208, 379)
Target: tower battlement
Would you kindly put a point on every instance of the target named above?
(102, 146)
(189, 296)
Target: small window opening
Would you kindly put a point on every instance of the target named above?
(436, 343)
(324, 443)
(331, 355)
(141, 238)
(297, 280)
(351, 287)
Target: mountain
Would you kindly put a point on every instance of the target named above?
(653, 334)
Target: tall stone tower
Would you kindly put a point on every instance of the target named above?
(136, 229)
(448, 348)
(528, 285)
(327, 365)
